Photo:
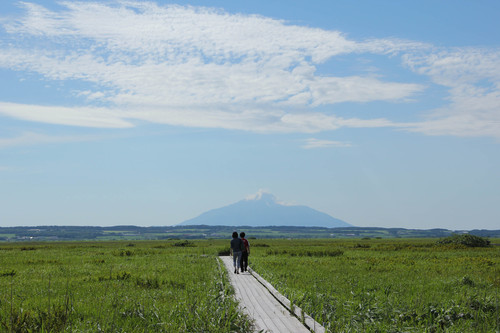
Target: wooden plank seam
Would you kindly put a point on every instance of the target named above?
(309, 322)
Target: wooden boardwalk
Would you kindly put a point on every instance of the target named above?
(269, 309)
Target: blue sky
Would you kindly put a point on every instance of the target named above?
(379, 113)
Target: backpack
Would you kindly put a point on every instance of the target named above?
(244, 245)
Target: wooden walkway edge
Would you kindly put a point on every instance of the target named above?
(271, 311)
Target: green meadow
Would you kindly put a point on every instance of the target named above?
(115, 287)
(386, 285)
(364, 285)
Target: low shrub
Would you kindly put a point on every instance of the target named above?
(149, 283)
(224, 251)
(8, 273)
(467, 240)
(185, 243)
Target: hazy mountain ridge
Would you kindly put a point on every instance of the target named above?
(264, 210)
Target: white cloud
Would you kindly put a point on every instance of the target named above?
(313, 143)
(188, 66)
(75, 116)
(92, 96)
(201, 67)
(176, 33)
(359, 89)
(472, 77)
(32, 138)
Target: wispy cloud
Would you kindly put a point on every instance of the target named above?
(187, 66)
(32, 138)
(201, 67)
(472, 77)
(313, 143)
(76, 116)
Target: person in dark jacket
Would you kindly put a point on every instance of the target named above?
(244, 253)
(236, 248)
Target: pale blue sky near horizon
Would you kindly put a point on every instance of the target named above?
(150, 113)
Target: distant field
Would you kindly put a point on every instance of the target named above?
(386, 285)
(7, 236)
(89, 233)
(361, 285)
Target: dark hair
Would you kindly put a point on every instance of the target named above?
(242, 234)
(235, 234)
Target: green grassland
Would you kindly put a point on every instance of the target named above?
(386, 285)
(360, 285)
(115, 287)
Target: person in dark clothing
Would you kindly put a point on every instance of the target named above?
(236, 248)
(244, 253)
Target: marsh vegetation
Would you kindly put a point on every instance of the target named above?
(370, 285)
(115, 287)
(375, 285)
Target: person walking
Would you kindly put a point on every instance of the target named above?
(244, 253)
(236, 248)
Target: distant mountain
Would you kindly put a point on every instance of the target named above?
(264, 210)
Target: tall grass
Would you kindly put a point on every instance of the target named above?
(178, 286)
(115, 287)
(387, 285)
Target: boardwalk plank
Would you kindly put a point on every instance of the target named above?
(261, 305)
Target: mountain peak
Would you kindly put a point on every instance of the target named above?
(262, 196)
(264, 209)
